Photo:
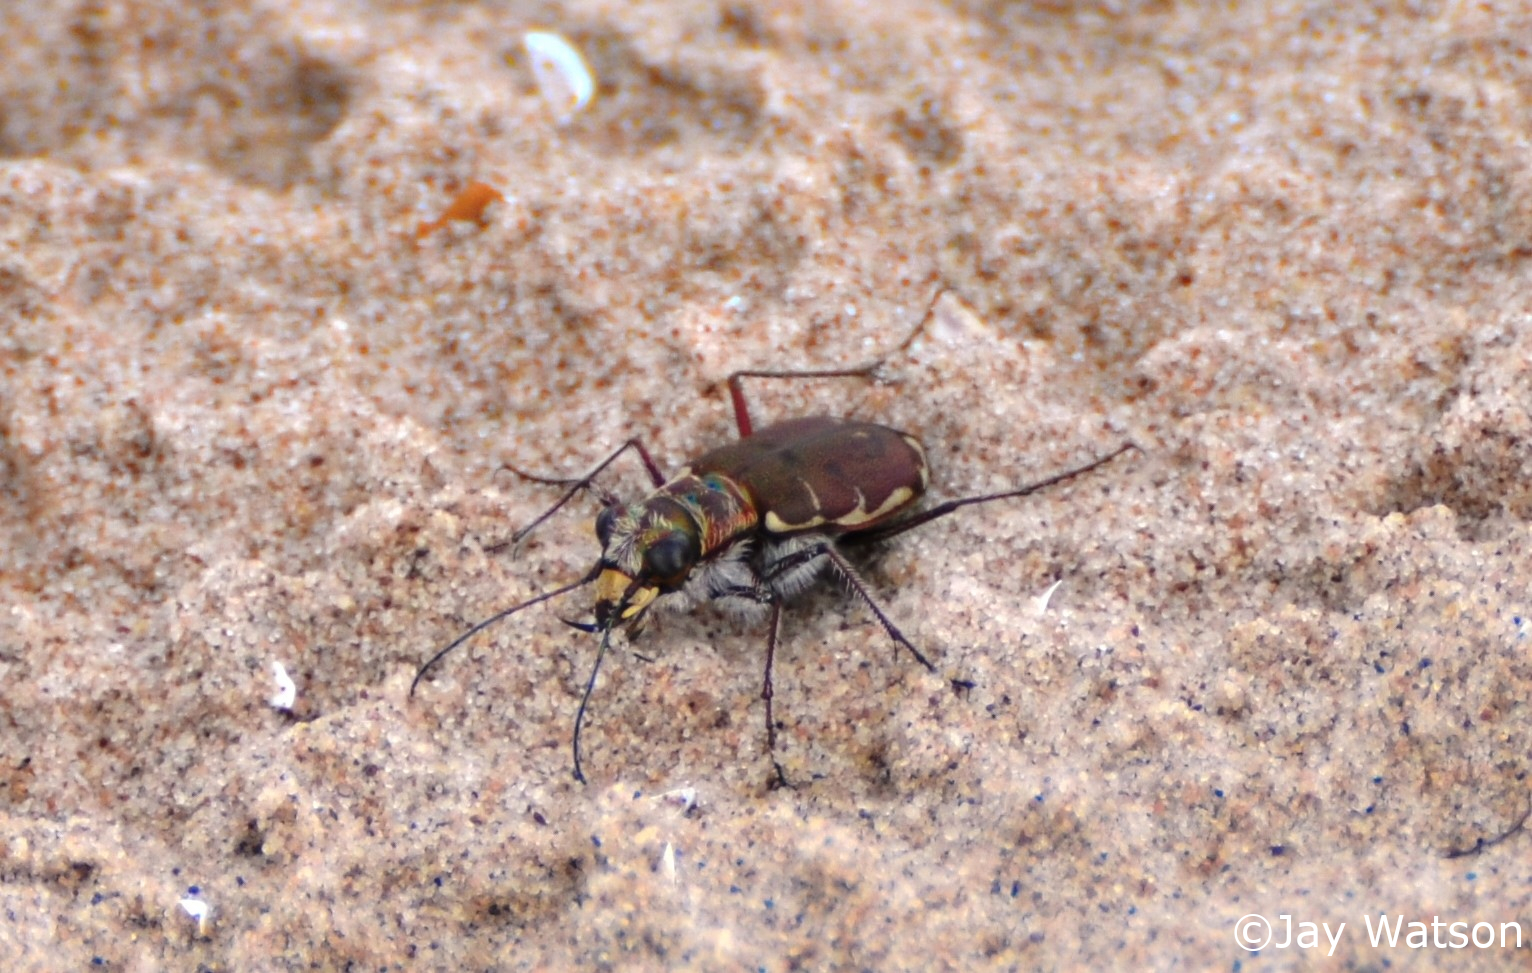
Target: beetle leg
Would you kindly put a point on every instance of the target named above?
(885, 531)
(737, 391)
(586, 482)
(773, 631)
(781, 567)
(761, 594)
(854, 581)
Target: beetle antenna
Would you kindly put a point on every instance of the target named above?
(590, 685)
(498, 616)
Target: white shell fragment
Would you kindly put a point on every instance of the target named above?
(287, 690)
(563, 78)
(956, 323)
(668, 861)
(198, 910)
(683, 797)
(1040, 603)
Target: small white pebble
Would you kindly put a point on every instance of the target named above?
(563, 78)
(684, 797)
(1041, 601)
(198, 910)
(287, 690)
(956, 323)
(668, 861)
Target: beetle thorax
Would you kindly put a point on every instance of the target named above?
(718, 505)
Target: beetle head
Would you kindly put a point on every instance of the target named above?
(647, 550)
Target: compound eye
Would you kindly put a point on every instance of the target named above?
(605, 521)
(670, 557)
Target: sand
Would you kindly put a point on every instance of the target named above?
(248, 415)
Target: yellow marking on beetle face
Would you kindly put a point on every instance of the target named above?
(611, 586)
(641, 599)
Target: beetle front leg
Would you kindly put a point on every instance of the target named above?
(586, 482)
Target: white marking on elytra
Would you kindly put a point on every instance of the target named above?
(854, 517)
(859, 516)
(920, 461)
(814, 497)
(777, 525)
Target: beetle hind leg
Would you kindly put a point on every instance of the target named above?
(737, 390)
(853, 580)
(794, 564)
(791, 564)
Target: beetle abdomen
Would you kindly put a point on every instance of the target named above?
(821, 473)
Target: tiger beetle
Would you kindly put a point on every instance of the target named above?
(747, 525)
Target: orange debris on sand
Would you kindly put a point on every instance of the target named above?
(467, 205)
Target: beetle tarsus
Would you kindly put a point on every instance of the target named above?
(1482, 843)
(737, 391)
(779, 779)
(772, 631)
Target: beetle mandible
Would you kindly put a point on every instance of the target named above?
(752, 523)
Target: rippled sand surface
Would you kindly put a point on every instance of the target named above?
(259, 375)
